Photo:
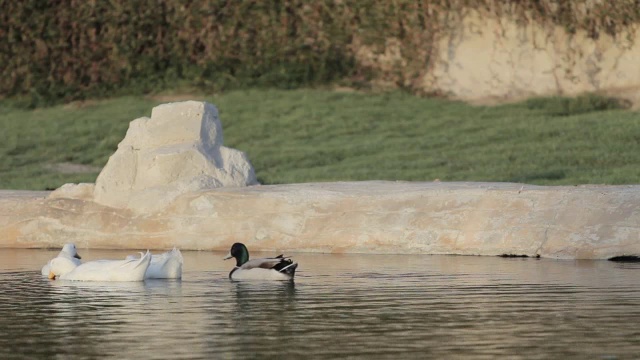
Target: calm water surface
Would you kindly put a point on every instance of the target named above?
(340, 306)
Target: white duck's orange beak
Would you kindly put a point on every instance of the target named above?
(52, 276)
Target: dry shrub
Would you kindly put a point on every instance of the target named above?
(71, 49)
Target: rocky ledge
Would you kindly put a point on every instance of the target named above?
(584, 222)
(172, 183)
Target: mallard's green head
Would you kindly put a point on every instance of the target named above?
(240, 252)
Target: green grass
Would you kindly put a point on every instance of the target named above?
(320, 135)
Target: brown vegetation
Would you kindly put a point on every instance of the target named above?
(72, 49)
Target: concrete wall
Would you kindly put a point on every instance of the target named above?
(585, 222)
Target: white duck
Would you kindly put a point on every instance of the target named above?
(68, 252)
(276, 268)
(100, 270)
(167, 265)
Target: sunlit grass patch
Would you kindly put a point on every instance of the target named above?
(294, 136)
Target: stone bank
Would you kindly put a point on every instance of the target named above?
(172, 183)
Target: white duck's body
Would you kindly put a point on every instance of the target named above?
(102, 270)
(276, 268)
(167, 265)
(60, 266)
(68, 253)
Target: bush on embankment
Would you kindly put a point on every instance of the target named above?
(73, 49)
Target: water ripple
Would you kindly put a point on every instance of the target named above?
(338, 307)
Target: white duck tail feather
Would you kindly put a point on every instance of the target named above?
(144, 258)
(166, 266)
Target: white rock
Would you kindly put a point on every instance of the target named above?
(178, 150)
(82, 191)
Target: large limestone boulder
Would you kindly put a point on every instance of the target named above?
(178, 150)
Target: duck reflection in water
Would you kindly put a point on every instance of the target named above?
(271, 297)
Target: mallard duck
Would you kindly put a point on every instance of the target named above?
(68, 252)
(101, 270)
(167, 265)
(276, 268)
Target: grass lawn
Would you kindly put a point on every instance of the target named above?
(320, 135)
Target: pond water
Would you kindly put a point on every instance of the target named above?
(340, 306)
